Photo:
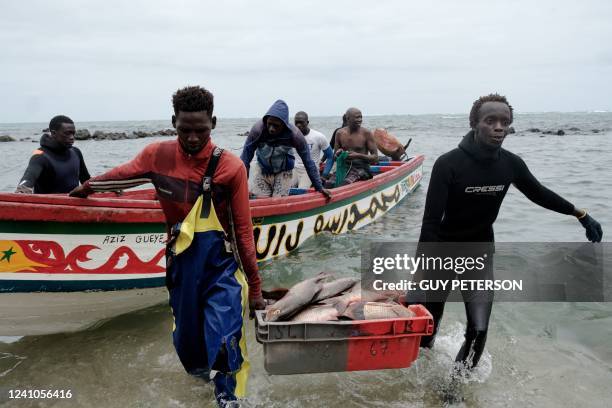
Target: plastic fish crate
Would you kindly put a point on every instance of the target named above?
(319, 347)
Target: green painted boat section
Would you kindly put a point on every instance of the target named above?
(22, 286)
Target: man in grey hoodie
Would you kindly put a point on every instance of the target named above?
(272, 139)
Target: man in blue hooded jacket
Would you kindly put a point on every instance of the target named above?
(272, 139)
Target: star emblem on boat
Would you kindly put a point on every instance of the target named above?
(7, 254)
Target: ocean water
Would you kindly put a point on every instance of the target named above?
(537, 354)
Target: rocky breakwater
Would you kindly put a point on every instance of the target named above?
(84, 134)
(563, 132)
(6, 138)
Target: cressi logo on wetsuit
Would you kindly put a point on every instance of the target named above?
(485, 189)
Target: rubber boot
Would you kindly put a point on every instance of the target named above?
(225, 387)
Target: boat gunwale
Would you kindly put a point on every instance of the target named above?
(120, 209)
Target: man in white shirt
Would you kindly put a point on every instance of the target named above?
(317, 143)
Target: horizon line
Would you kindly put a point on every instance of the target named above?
(318, 116)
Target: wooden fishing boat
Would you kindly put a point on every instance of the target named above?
(66, 263)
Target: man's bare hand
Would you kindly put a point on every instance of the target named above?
(256, 304)
(81, 192)
(327, 194)
(23, 189)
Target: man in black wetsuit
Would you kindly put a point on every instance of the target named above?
(466, 190)
(57, 166)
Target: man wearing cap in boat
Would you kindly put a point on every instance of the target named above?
(317, 143)
(272, 139)
(56, 166)
(466, 190)
(203, 191)
(355, 150)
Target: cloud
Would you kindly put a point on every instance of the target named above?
(104, 60)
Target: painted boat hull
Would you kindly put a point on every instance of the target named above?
(107, 253)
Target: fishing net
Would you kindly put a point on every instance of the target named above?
(342, 168)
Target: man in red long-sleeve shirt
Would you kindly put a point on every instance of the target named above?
(202, 272)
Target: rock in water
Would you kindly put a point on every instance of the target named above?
(82, 134)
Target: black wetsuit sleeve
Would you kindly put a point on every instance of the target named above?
(536, 192)
(435, 203)
(332, 142)
(83, 172)
(37, 164)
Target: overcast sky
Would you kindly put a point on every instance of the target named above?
(122, 60)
